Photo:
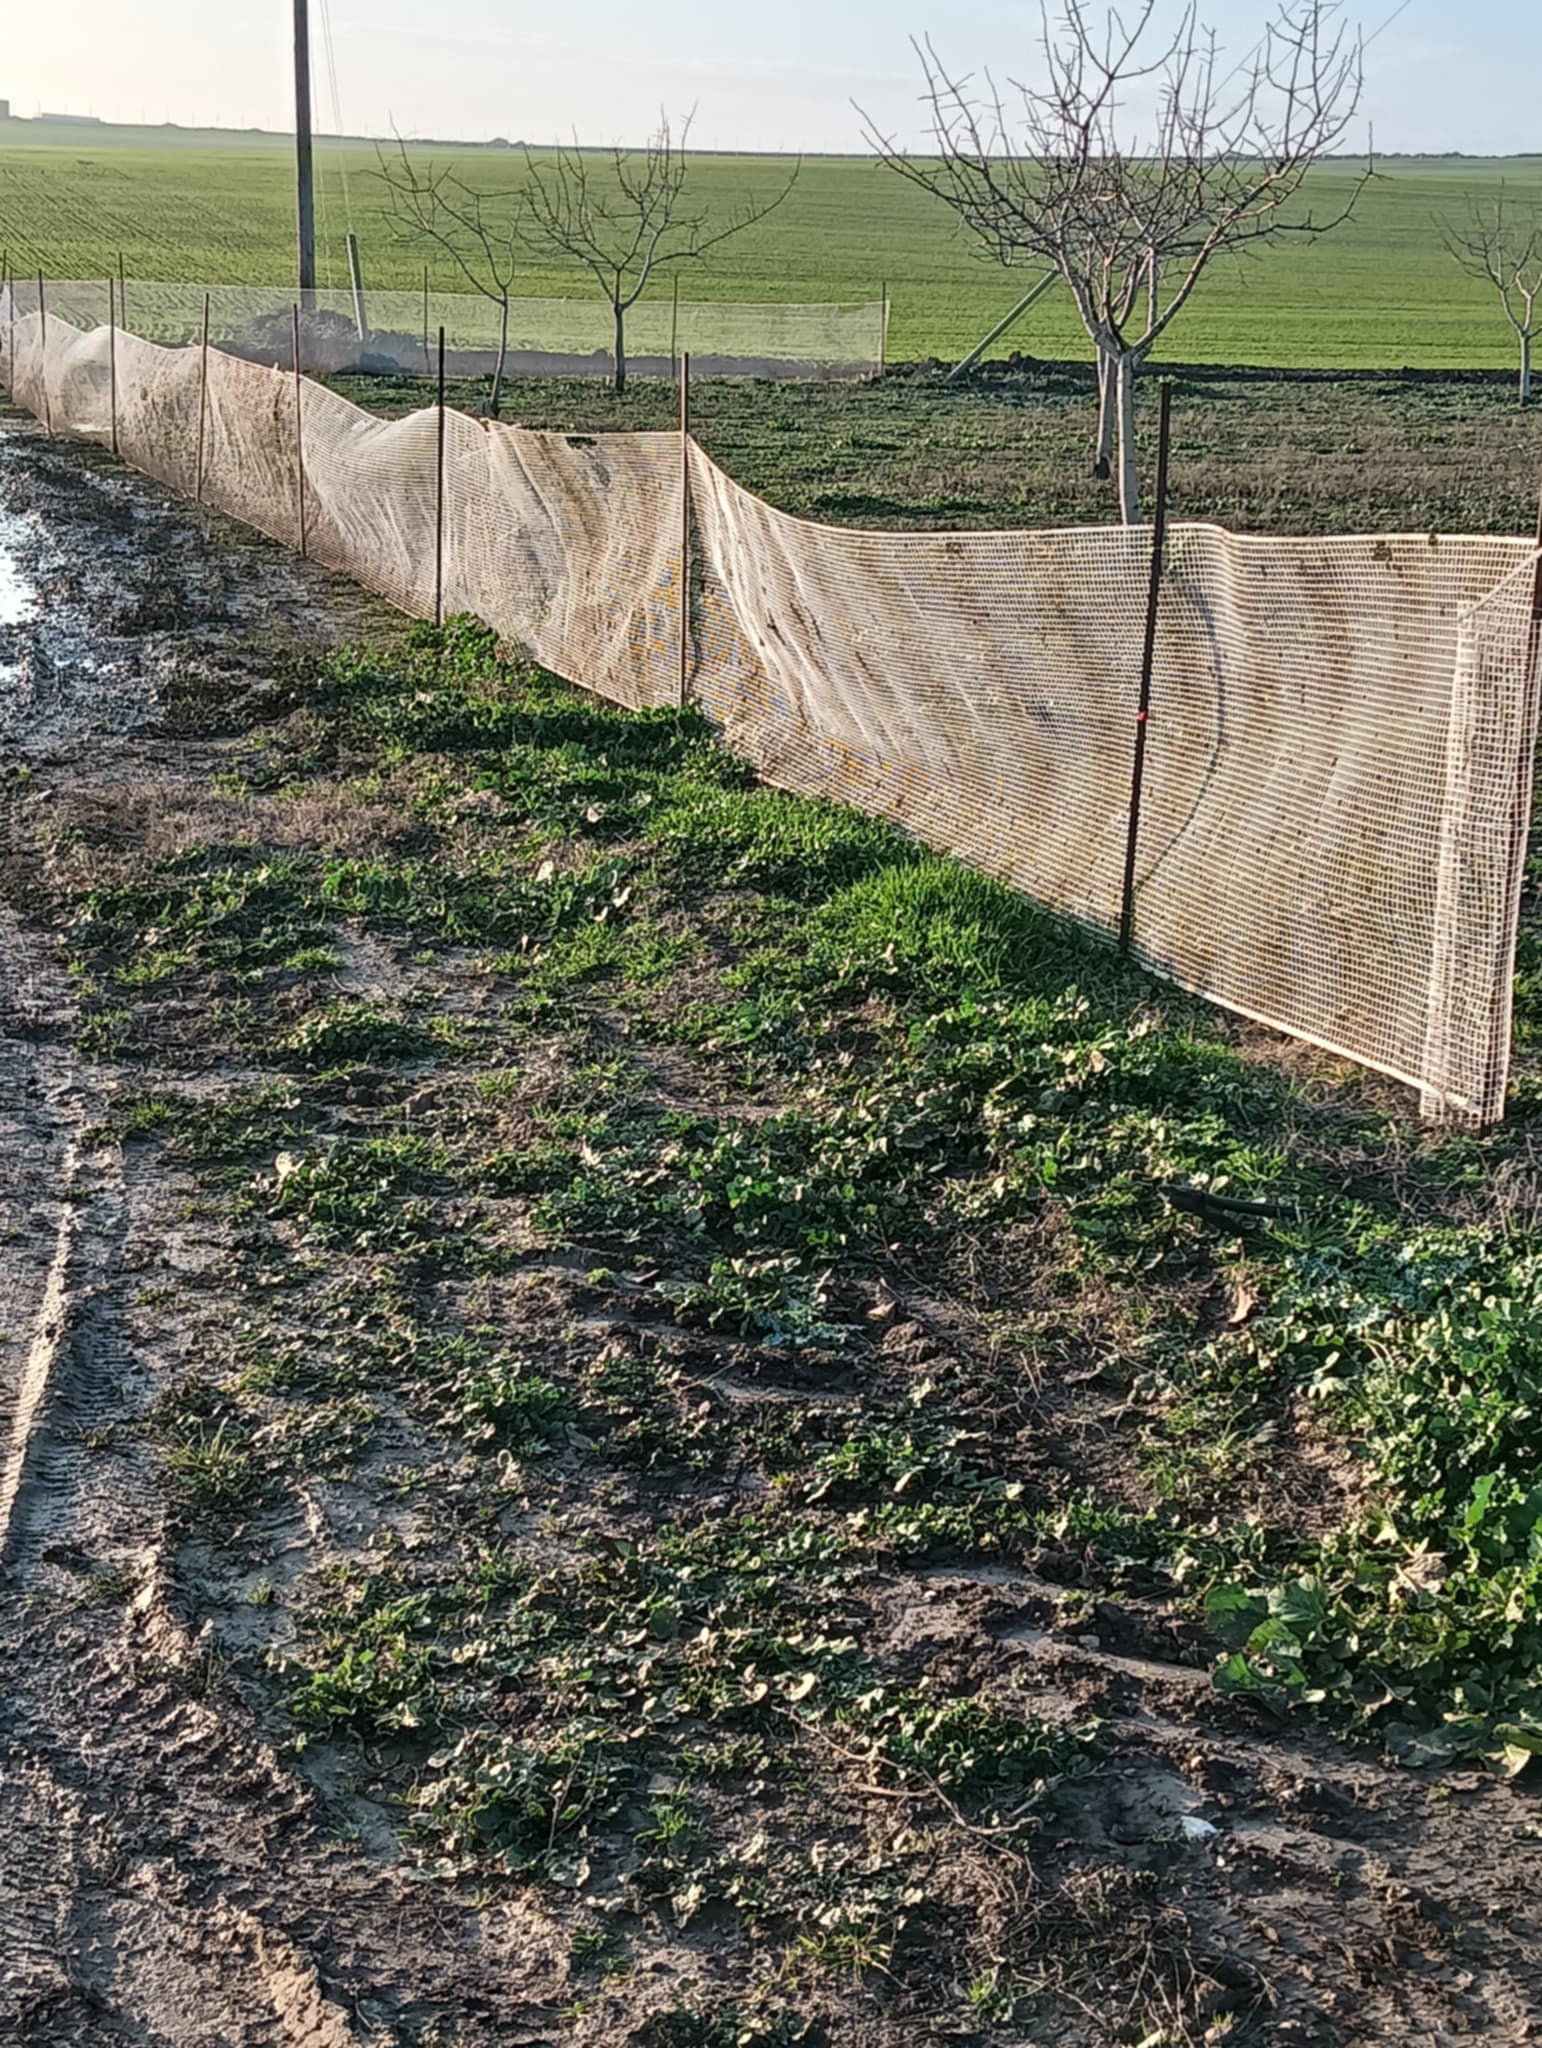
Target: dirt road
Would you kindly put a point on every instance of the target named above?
(163, 1877)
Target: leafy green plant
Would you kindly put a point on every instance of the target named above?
(505, 1404)
(771, 1299)
(367, 1196)
(531, 1808)
(346, 1033)
(372, 1677)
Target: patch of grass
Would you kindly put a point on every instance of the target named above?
(215, 1467)
(209, 206)
(349, 1033)
(519, 1410)
(718, 833)
(930, 927)
(376, 1195)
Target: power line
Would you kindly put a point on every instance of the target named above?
(1401, 8)
(337, 107)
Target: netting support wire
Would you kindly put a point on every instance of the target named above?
(203, 400)
(685, 529)
(42, 315)
(883, 327)
(122, 291)
(112, 359)
(674, 330)
(427, 363)
(299, 428)
(1147, 664)
(439, 495)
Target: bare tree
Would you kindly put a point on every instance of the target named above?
(1502, 243)
(478, 231)
(1131, 224)
(623, 214)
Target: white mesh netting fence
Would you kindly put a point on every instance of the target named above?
(1339, 773)
(547, 337)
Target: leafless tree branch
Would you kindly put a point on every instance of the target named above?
(623, 215)
(1053, 170)
(478, 231)
(1500, 243)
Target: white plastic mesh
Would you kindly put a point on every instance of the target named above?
(570, 545)
(547, 337)
(981, 688)
(1339, 772)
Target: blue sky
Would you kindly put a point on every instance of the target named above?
(772, 76)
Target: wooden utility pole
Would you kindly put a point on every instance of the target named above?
(305, 195)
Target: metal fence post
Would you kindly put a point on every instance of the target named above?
(122, 291)
(883, 327)
(1147, 664)
(439, 496)
(426, 363)
(203, 399)
(1520, 832)
(1520, 825)
(674, 330)
(299, 428)
(112, 361)
(356, 281)
(42, 314)
(685, 529)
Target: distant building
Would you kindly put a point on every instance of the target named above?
(5, 110)
(74, 120)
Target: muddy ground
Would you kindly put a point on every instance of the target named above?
(177, 1868)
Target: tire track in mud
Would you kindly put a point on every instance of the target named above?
(38, 1134)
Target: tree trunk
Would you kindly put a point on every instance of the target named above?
(1103, 455)
(620, 312)
(496, 399)
(1125, 367)
(1526, 367)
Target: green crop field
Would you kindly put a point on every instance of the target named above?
(217, 208)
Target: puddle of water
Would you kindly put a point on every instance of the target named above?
(18, 597)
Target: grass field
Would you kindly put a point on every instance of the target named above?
(1012, 447)
(219, 209)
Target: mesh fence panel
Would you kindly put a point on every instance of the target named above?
(569, 545)
(974, 687)
(547, 337)
(980, 689)
(1339, 772)
(1301, 711)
